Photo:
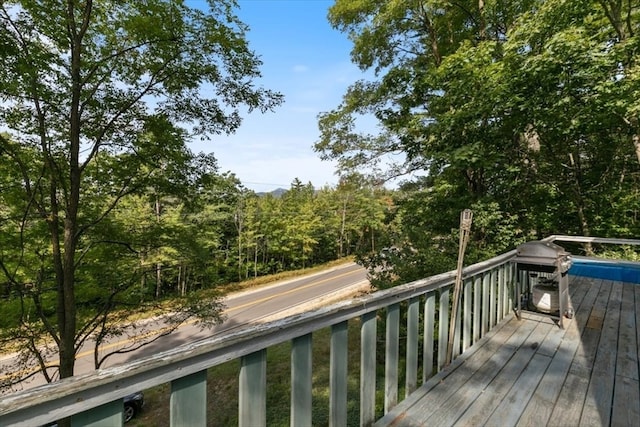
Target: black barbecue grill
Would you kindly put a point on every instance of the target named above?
(543, 282)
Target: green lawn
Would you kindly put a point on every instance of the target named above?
(222, 387)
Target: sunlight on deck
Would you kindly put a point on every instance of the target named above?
(530, 372)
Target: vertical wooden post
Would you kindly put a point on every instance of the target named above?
(477, 307)
(492, 299)
(411, 380)
(252, 405)
(443, 328)
(500, 284)
(466, 316)
(301, 381)
(188, 400)
(109, 414)
(486, 294)
(338, 375)
(391, 357)
(429, 326)
(368, 332)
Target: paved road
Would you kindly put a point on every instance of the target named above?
(243, 308)
(267, 303)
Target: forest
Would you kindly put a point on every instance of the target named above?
(526, 112)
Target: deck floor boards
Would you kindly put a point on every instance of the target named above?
(539, 409)
(529, 372)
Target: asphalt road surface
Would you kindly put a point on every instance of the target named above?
(261, 304)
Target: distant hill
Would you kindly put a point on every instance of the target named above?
(278, 192)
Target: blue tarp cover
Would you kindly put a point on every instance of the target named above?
(610, 270)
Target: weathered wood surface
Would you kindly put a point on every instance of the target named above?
(531, 373)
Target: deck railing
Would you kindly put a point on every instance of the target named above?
(487, 297)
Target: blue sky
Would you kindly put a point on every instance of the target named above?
(307, 61)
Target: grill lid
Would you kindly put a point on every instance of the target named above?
(541, 249)
(542, 253)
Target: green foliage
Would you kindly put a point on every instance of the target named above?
(526, 112)
(98, 101)
(304, 227)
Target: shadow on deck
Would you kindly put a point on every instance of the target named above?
(530, 372)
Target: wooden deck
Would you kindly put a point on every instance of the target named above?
(531, 373)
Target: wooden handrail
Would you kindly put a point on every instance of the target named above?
(487, 297)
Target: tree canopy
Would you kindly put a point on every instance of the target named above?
(98, 99)
(526, 110)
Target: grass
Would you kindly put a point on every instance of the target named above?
(222, 387)
(222, 380)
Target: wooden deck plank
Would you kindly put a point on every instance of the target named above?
(636, 290)
(626, 395)
(531, 373)
(440, 389)
(596, 317)
(627, 356)
(570, 402)
(458, 400)
(490, 398)
(626, 398)
(510, 409)
(540, 407)
(586, 353)
(568, 406)
(597, 405)
(483, 349)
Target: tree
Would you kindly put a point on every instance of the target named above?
(524, 108)
(572, 84)
(84, 79)
(301, 223)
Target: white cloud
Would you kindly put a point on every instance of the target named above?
(300, 68)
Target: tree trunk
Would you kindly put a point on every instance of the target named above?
(66, 275)
(343, 226)
(143, 278)
(238, 220)
(255, 261)
(180, 283)
(158, 279)
(158, 264)
(482, 31)
(579, 201)
(373, 240)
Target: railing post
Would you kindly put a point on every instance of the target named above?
(368, 369)
(456, 333)
(466, 316)
(427, 346)
(338, 376)
(486, 303)
(477, 307)
(413, 318)
(512, 285)
(391, 357)
(500, 284)
(188, 400)
(109, 414)
(492, 299)
(506, 293)
(443, 327)
(301, 381)
(252, 402)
